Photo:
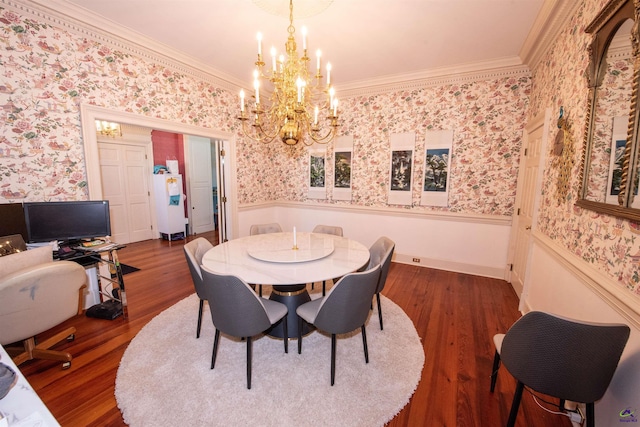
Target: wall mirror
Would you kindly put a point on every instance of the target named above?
(610, 157)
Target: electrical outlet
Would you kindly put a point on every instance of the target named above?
(416, 260)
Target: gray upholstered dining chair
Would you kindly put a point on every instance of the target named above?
(327, 229)
(343, 309)
(193, 252)
(380, 253)
(559, 357)
(237, 311)
(273, 227)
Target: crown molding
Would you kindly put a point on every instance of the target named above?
(466, 73)
(551, 20)
(78, 20)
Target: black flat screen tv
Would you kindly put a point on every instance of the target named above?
(67, 221)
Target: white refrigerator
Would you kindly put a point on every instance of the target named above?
(169, 197)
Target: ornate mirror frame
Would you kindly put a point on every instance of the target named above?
(604, 28)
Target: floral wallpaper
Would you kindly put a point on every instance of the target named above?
(47, 72)
(609, 244)
(487, 118)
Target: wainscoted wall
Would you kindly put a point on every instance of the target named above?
(582, 265)
(473, 244)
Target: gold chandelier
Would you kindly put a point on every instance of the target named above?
(300, 103)
(108, 128)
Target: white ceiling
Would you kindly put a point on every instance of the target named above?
(363, 39)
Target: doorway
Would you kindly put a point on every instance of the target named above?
(91, 113)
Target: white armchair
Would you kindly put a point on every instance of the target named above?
(37, 294)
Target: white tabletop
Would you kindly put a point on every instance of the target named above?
(287, 266)
(22, 407)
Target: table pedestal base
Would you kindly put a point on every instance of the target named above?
(292, 297)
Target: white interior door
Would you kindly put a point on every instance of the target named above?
(199, 184)
(125, 183)
(526, 207)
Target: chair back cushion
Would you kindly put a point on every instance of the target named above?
(328, 229)
(347, 304)
(235, 308)
(17, 261)
(193, 252)
(265, 228)
(563, 358)
(38, 298)
(381, 253)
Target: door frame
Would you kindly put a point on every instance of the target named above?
(543, 119)
(90, 113)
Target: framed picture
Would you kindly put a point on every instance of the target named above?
(342, 170)
(401, 168)
(437, 163)
(317, 175)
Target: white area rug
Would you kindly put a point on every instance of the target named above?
(164, 377)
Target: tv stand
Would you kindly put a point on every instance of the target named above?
(107, 257)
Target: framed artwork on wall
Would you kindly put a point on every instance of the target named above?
(317, 174)
(342, 157)
(401, 168)
(437, 163)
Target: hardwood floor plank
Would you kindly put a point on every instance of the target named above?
(455, 315)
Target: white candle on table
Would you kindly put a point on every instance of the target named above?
(295, 240)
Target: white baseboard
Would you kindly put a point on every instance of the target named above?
(477, 270)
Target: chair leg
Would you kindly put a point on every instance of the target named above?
(260, 292)
(249, 363)
(324, 287)
(591, 415)
(494, 370)
(333, 359)
(517, 396)
(285, 329)
(300, 334)
(364, 343)
(199, 318)
(215, 348)
(379, 311)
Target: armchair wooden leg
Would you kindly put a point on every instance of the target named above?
(285, 329)
(379, 311)
(199, 318)
(215, 348)
(494, 370)
(517, 396)
(333, 359)
(249, 363)
(364, 343)
(591, 416)
(300, 323)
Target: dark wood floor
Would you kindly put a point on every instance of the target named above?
(455, 315)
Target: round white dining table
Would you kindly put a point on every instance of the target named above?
(287, 263)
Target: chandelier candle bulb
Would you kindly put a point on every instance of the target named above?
(259, 37)
(315, 118)
(304, 39)
(273, 58)
(256, 85)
